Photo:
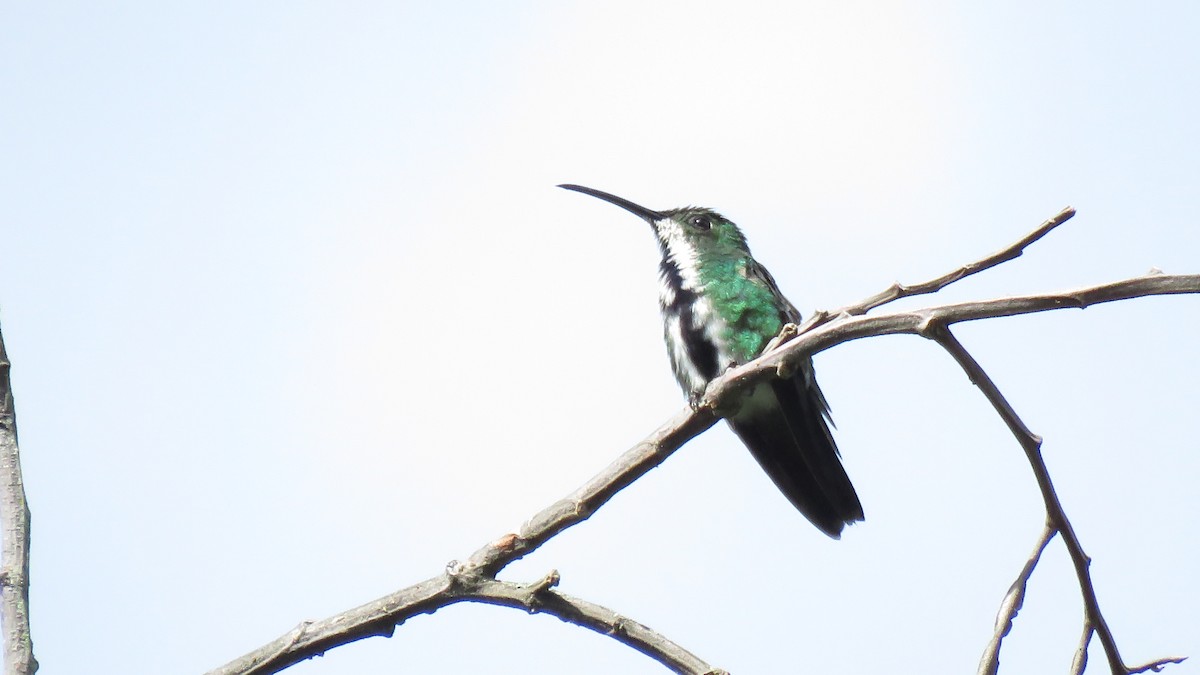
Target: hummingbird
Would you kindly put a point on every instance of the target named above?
(720, 308)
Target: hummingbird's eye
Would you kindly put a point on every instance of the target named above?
(700, 222)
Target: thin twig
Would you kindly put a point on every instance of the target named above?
(898, 290)
(541, 597)
(628, 631)
(989, 664)
(581, 504)
(1079, 663)
(14, 525)
(1156, 666)
(1031, 443)
(1055, 514)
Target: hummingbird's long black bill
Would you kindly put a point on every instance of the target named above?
(640, 211)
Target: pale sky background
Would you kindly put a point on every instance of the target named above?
(297, 316)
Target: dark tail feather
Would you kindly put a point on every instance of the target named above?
(793, 444)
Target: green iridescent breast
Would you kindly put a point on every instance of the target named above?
(744, 303)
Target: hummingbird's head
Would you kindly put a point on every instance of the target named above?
(682, 233)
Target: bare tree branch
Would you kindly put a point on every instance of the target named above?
(789, 356)
(540, 597)
(14, 524)
(1031, 443)
(381, 616)
(1056, 516)
(898, 290)
(1079, 663)
(1156, 666)
(474, 579)
(989, 664)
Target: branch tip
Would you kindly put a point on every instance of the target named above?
(1157, 666)
(548, 581)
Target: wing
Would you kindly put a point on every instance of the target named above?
(784, 426)
(788, 312)
(787, 431)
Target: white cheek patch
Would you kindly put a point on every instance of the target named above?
(680, 251)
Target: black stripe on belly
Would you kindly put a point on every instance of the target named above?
(701, 352)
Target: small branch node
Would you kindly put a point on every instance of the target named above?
(931, 327)
(550, 580)
(299, 630)
(506, 543)
(582, 510)
(462, 575)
